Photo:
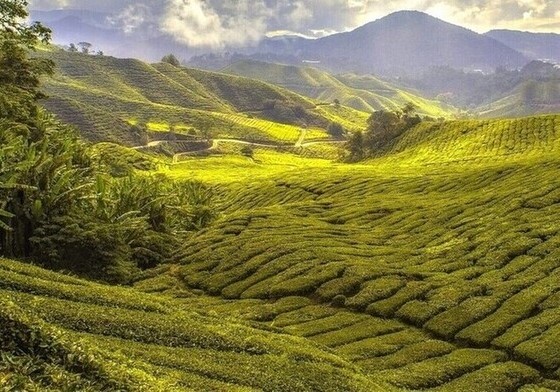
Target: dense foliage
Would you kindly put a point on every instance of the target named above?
(57, 203)
(383, 127)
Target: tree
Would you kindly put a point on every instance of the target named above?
(72, 48)
(336, 102)
(335, 130)
(356, 146)
(59, 205)
(19, 74)
(247, 151)
(85, 47)
(13, 13)
(383, 127)
(171, 59)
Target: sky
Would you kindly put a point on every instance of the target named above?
(221, 23)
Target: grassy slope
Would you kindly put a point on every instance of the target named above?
(445, 249)
(68, 334)
(513, 104)
(362, 93)
(103, 95)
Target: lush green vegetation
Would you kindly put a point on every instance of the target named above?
(62, 333)
(433, 264)
(364, 93)
(383, 128)
(60, 205)
(103, 96)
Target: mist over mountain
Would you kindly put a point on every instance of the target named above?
(541, 46)
(402, 43)
(410, 41)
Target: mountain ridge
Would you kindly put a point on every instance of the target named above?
(401, 42)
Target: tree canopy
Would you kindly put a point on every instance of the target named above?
(171, 59)
(19, 74)
(59, 204)
(382, 128)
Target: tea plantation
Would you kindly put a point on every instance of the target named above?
(62, 333)
(434, 266)
(104, 96)
(211, 234)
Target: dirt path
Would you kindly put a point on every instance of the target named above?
(301, 138)
(216, 142)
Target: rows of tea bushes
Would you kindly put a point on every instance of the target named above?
(75, 334)
(449, 243)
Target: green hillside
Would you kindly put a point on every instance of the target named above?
(61, 333)
(431, 267)
(235, 248)
(102, 96)
(529, 97)
(364, 93)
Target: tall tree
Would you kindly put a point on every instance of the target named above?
(20, 74)
(85, 47)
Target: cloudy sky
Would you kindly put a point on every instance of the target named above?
(219, 23)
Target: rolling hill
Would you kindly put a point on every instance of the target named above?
(365, 93)
(261, 259)
(529, 97)
(62, 333)
(431, 267)
(103, 96)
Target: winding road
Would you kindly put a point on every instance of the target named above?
(216, 142)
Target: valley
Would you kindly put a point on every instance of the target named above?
(269, 226)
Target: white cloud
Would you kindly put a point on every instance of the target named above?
(196, 23)
(221, 23)
(131, 18)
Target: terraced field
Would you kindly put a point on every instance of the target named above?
(103, 96)
(432, 267)
(365, 93)
(274, 131)
(61, 333)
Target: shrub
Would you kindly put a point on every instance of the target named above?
(339, 301)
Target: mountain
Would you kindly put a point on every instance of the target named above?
(408, 42)
(365, 93)
(541, 46)
(404, 42)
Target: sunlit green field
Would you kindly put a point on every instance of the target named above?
(432, 267)
(221, 169)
